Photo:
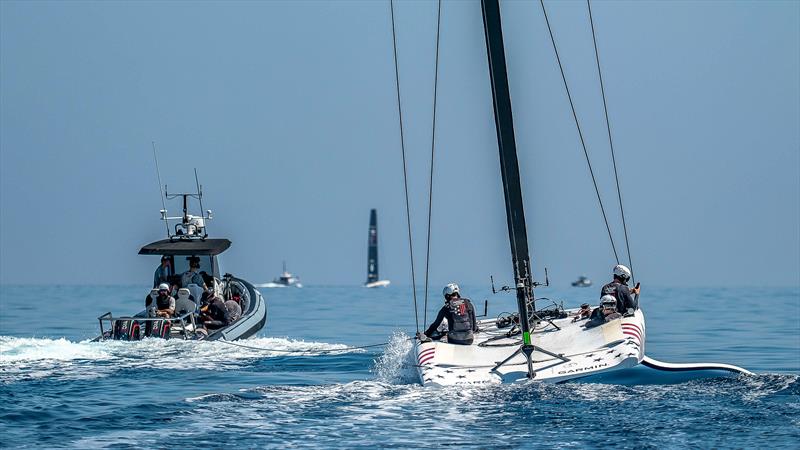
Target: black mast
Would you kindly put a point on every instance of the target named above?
(515, 214)
(372, 252)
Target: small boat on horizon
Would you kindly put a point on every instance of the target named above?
(285, 279)
(373, 280)
(582, 281)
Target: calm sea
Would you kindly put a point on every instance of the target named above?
(58, 389)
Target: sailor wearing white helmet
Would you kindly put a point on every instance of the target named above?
(606, 312)
(619, 289)
(165, 303)
(460, 315)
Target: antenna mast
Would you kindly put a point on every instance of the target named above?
(161, 191)
(200, 199)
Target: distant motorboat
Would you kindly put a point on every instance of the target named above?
(373, 280)
(582, 281)
(286, 279)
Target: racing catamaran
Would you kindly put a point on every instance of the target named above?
(544, 344)
(548, 344)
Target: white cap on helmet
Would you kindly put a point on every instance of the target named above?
(163, 287)
(622, 272)
(451, 289)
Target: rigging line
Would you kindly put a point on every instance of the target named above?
(610, 141)
(405, 171)
(433, 146)
(580, 133)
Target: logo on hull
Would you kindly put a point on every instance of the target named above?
(583, 369)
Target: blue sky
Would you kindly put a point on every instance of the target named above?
(287, 111)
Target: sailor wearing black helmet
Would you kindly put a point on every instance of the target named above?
(460, 315)
(192, 276)
(620, 291)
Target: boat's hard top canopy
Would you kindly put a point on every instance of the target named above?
(210, 247)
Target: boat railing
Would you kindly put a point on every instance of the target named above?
(183, 320)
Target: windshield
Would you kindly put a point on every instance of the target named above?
(182, 264)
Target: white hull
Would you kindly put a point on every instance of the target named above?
(379, 283)
(277, 285)
(618, 344)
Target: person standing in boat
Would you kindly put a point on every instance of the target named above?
(163, 272)
(620, 290)
(460, 315)
(192, 276)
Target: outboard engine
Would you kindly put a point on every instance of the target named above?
(160, 329)
(127, 330)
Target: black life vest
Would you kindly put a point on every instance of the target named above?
(163, 302)
(623, 301)
(610, 288)
(460, 327)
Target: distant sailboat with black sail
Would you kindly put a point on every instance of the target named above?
(373, 280)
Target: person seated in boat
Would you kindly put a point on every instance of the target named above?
(163, 272)
(460, 315)
(165, 303)
(618, 288)
(606, 312)
(583, 313)
(193, 276)
(213, 313)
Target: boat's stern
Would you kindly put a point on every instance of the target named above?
(443, 364)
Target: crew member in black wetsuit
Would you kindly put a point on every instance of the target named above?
(460, 315)
(620, 290)
(213, 314)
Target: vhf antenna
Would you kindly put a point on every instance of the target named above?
(200, 198)
(161, 191)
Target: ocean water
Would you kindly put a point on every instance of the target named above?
(57, 389)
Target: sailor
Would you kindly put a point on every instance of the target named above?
(165, 303)
(213, 313)
(460, 315)
(163, 272)
(605, 313)
(620, 290)
(192, 276)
